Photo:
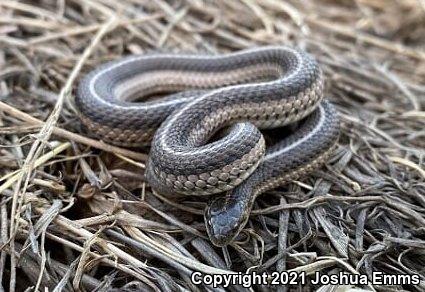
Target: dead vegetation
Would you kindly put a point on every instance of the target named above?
(76, 214)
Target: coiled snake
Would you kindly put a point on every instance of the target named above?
(266, 87)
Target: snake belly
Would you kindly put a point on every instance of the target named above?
(253, 89)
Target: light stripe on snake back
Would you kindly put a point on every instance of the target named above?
(266, 87)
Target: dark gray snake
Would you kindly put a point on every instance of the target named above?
(266, 87)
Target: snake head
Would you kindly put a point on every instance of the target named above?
(225, 217)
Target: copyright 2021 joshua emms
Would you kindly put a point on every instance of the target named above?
(301, 278)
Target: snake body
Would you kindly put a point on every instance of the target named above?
(254, 89)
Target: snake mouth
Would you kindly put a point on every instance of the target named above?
(260, 88)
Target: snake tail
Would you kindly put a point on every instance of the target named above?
(243, 92)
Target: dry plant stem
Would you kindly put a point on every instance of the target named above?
(86, 29)
(362, 212)
(73, 136)
(321, 199)
(38, 146)
(4, 237)
(30, 9)
(195, 265)
(40, 161)
(106, 261)
(409, 164)
(381, 43)
(282, 239)
(106, 246)
(84, 260)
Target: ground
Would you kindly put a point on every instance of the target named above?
(76, 213)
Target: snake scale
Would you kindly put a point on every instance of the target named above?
(260, 88)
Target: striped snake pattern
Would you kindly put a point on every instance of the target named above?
(242, 93)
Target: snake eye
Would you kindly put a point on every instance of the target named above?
(217, 206)
(224, 217)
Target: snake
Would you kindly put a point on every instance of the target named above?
(203, 115)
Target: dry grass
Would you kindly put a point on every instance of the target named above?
(76, 214)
